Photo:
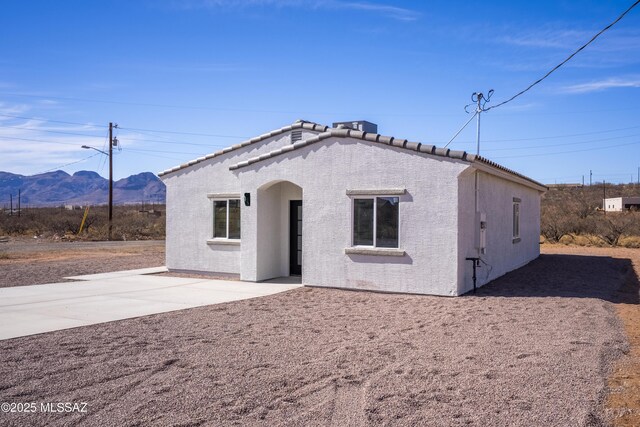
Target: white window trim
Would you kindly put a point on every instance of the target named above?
(361, 196)
(222, 240)
(392, 192)
(515, 231)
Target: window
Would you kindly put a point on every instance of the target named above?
(516, 220)
(375, 222)
(226, 219)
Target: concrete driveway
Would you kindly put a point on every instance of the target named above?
(98, 298)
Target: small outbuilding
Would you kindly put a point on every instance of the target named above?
(619, 204)
(346, 207)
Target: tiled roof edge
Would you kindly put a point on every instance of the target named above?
(357, 134)
(298, 124)
(386, 140)
(479, 159)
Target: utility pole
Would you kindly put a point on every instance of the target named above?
(110, 178)
(112, 141)
(604, 196)
(11, 204)
(19, 197)
(583, 180)
(590, 176)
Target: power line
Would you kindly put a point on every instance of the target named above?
(567, 152)
(187, 133)
(552, 137)
(37, 140)
(566, 60)
(49, 131)
(68, 164)
(136, 152)
(169, 152)
(564, 143)
(123, 137)
(51, 121)
(146, 104)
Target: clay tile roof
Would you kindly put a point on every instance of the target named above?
(342, 132)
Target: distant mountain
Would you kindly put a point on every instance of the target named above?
(83, 187)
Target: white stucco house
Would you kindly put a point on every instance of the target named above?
(619, 204)
(346, 207)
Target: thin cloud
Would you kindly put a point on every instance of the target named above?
(601, 85)
(390, 11)
(557, 39)
(394, 12)
(32, 145)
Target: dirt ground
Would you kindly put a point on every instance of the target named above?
(36, 261)
(535, 347)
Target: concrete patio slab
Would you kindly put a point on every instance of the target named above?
(123, 273)
(98, 298)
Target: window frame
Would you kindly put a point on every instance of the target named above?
(373, 197)
(515, 219)
(213, 219)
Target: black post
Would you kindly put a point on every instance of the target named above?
(476, 264)
(11, 205)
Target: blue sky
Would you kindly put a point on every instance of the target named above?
(227, 70)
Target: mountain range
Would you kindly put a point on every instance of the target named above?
(82, 188)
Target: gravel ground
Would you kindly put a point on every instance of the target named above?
(533, 348)
(33, 262)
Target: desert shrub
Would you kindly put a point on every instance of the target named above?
(128, 223)
(610, 228)
(574, 215)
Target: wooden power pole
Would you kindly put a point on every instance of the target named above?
(110, 177)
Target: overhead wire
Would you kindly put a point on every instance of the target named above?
(37, 140)
(185, 133)
(71, 163)
(49, 120)
(561, 144)
(566, 60)
(566, 152)
(48, 131)
(553, 136)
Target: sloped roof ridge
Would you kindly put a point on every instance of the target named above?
(298, 124)
(342, 132)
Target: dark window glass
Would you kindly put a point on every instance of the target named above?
(363, 222)
(387, 222)
(234, 219)
(220, 218)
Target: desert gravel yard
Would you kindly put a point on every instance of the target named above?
(534, 348)
(36, 261)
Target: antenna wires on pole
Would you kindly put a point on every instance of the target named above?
(479, 100)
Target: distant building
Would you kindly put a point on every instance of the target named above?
(570, 185)
(619, 204)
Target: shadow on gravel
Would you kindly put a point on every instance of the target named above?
(572, 276)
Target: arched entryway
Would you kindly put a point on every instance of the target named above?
(279, 225)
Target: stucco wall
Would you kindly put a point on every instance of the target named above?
(428, 216)
(190, 212)
(436, 217)
(502, 254)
